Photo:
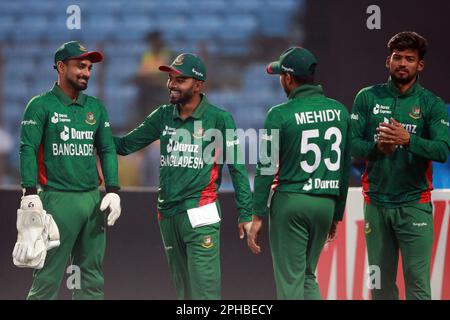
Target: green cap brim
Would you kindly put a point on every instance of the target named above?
(274, 68)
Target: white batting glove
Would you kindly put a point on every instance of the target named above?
(112, 201)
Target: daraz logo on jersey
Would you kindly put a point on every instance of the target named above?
(65, 134)
(74, 149)
(182, 147)
(76, 134)
(168, 130)
(321, 184)
(381, 109)
(59, 117)
(308, 185)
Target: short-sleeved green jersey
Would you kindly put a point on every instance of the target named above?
(313, 150)
(193, 152)
(406, 175)
(57, 142)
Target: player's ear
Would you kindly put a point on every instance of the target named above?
(289, 79)
(60, 66)
(198, 85)
(388, 61)
(421, 65)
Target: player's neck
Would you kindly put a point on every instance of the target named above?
(189, 107)
(403, 87)
(68, 90)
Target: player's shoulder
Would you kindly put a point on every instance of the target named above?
(39, 101)
(430, 98)
(218, 112)
(278, 108)
(94, 101)
(164, 110)
(372, 90)
(344, 113)
(336, 103)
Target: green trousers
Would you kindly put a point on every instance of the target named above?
(298, 228)
(193, 255)
(82, 236)
(407, 229)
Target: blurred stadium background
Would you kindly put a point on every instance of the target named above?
(236, 38)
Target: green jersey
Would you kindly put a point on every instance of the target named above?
(406, 175)
(57, 142)
(193, 152)
(312, 155)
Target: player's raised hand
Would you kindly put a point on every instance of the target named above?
(253, 235)
(393, 133)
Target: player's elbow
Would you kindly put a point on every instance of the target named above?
(442, 156)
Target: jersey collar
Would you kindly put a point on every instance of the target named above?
(199, 110)
(57, 91)
(306, 90)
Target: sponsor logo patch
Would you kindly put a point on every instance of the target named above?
(286, 69)
(381, 109)
(168, 130)
(308, 185)
(197, 73)
(59, 117)
(29, 122)
(419, 224)
(64, 135)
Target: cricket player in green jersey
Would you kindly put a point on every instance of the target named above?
(196, 139)
(61, 129)
(302, 175)
(399, 128)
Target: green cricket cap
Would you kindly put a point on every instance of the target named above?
(295, 60)
(187, 64)
(75, 50)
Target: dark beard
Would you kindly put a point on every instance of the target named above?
(77, 86)
(184, 98)
(404, 80)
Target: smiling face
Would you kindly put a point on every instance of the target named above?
(182, 88)
(404, 65)
(76, 73)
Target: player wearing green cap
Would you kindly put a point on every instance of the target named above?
(399, 128)
(196, 139)
(302, 175)
(61, 130)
